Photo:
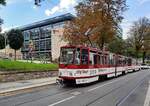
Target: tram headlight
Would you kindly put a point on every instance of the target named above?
(60, 74)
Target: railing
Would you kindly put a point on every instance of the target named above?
(9, 56)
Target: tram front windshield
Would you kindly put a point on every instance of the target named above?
(70, 56)
(67, 56)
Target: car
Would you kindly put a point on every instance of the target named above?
(145, 66)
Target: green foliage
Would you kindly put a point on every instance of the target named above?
(3, 2)
(1, 21)
(2, 42)
(102, 17)
(15, 39)
(117, 46)
(23, 66)
(139, 39)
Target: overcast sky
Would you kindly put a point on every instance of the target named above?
(21, 12)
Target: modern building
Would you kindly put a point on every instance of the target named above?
(43, 39)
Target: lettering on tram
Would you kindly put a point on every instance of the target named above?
(81, 64)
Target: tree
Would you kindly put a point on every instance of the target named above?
(2, 42)
(146, 45)
(1, 22)
(2, 2)
(15, 39)
(117, 46)
(139, 35)
(102, 16)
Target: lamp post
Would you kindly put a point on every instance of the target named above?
(37, 2)
(5, 36)
(87, 33)
(31, 49)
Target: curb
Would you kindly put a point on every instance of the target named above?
(13, 90)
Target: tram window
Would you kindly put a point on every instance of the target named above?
(84, 56)
(129, 61)
(103, 60)
(77, 56)
(98, 59)
(107, 60)
(110, 59)
(95, 59)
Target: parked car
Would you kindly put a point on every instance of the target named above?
(145, 66)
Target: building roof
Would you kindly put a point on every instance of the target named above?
(61, 18)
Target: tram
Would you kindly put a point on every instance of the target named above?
(81, 65)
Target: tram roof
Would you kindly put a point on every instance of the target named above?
(93, 49)
(86, 47)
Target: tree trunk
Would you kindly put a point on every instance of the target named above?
(15, 55)
(136, 54)
(102, 45)
(143, 57)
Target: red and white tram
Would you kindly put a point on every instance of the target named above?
(81, 64)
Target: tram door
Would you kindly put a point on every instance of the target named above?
(84, 56)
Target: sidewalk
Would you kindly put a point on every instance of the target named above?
(25, 84)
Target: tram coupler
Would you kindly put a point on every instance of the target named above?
(60, 81)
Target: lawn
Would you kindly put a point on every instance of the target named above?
(24, 66)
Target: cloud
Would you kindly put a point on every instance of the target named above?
(5, 29)
(62, 6)
(143, 1)
(148, 16)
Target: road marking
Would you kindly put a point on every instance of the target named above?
(119, 104)
(61, 101)
(75, 93)
(147, 99)
(102, 85)
(105, 84)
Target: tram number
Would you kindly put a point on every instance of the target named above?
(101, 70)
(92, 72)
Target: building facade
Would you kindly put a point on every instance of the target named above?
(43, 39)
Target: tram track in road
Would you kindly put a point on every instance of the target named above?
(115, 89)
(125, 98)
(57, 94)
(72, 90)
(85, 91)
(35, 93)
(37, 96)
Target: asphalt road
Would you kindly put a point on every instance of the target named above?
(127, 90)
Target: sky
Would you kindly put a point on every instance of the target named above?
(22, 12)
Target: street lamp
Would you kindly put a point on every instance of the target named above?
(5, 36)
(87, 33)
(37, 2)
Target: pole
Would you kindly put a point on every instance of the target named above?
(5, 42)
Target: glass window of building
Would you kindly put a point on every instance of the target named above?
(46, 31)
(26, 35)
(42, 45)
(35, 33)
(36, 45)
(48, 44)
(26, 45)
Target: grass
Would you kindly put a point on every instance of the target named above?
(24, 66)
